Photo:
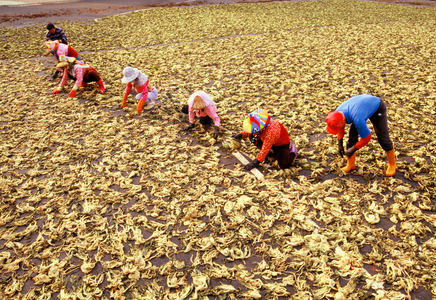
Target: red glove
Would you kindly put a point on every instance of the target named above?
(124, 104)
(72, 93)
(55, 91)
(363, 141)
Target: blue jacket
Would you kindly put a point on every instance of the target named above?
(358, 109)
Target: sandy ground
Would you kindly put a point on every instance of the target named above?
(30, 12)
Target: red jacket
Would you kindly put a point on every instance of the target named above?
(274, 135)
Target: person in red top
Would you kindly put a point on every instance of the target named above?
(59, 49)
(267, 134)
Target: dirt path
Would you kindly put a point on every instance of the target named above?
(30, 12)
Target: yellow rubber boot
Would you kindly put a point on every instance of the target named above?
(392, 166)
(140, 105)
(351, 163)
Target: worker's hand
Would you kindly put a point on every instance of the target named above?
(237, 136)
(254, 164)
(350, 151)
(215, 132)
(341, 148)
(72, 93)
(56, 90)
(191, 125)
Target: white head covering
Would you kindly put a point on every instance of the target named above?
(204, 96)
(140, 80)
(130, 74)
(71, 63)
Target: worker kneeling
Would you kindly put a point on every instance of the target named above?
(267, 134)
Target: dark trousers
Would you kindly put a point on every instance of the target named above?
(203, 120)
(280, 153)
(380, 122)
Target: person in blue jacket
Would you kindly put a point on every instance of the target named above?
(356, 111)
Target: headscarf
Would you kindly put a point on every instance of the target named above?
(129, 74)
(69, 61)
(133, 75)
(141, 80)
(256, 121)
(51, 44)
(206, 100)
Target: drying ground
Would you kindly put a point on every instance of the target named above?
(99, 202)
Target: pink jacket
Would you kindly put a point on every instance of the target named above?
(210, 109)
(77, 71)
(62, 49)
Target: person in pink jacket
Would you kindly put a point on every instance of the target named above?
(200, 104)
(82, 72)
(59, 49)
(138, 80)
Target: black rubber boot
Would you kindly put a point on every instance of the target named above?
(55, 75)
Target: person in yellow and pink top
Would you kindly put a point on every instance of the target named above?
(59, 49)
(201, 105)
(80, 71)
(267, 134)
(140, 82)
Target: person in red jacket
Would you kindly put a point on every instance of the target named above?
(59, 49)
(267, 134)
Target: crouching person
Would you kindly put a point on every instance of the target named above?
(267, 134)
(200, 104)
(82, 73)
(140, 82)
(58, 50)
